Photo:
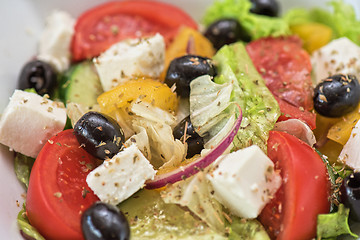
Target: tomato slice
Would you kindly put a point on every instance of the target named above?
(100, 27)
(289, 111)
(286, 68)
(292, 213)
(58, 192)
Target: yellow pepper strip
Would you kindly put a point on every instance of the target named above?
(145, 89)
(314, 35)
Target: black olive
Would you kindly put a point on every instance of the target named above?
(337, 95)
(350, 195)
(99, 134)
(184, 69)
(226, 31)
(104, 222)
(194, 141)
(38, 75)
(265, 7)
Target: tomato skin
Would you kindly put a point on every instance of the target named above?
(292, 213)
(56, 195)
(286, 68)
(289, 111)
(100, 27)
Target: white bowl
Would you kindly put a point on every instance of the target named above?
(21, 25)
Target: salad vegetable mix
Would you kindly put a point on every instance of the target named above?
(136, 122)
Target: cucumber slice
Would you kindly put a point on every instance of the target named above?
(81, 84)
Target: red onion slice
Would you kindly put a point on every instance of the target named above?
(188, 170)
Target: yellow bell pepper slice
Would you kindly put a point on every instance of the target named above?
(145, 89)
(340, 131)
(314, 35)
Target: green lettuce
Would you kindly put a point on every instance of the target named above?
(335, 224)
(26, 228)
(337, 172)
(249, 229)
(211, 111)
(212, 107)
(22, 166)
(259, 107)
(196, 194)
(256, 26)
(342, 19)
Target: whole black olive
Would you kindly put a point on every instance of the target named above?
(38, 75)
(104, 222)
(265, 7)
(184, 69)
(99, 134)
(350, 195)
(226, 31)
(337, 95)
(194, 141)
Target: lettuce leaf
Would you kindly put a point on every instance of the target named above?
(342, 19)
(259, 107)
(212, 108)
(195, 194)
(249, 229)
(257, 26)
(211, 111)
(334, 224)
(22, 167)
(26, 228)
(165, 151)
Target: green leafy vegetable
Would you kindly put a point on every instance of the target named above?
(195, 194)
(259, 107)
(337, 172)
(23, 165)
(30, 90)
(151, 218)
(342, 20)
(334, 224)
(256, 25)
(25, 226)
(249, 229)
(211, 111)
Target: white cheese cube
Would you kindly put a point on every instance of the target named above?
(129, 59)
(54, 46)
(339, 56)
(350, 154)
(120, 177)
(244, 181)
(29, 120)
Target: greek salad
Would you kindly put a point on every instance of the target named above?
(134, 121)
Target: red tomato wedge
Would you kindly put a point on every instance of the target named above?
(100, 27)
(289, 111)
(58, 192)
(286, 68)
(292, 213)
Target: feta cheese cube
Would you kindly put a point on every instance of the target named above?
(120, 177)
(54, 46)
(129, 59)
(29, 120)
(339, 56)
(244, 181)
